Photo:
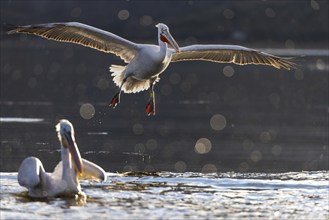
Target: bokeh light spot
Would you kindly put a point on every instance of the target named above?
(256, 156)
(68, 52)
(139, 148)
(270, 12)
(191, 40)
(228, 71)
(6, 68)
(265, 137)
(228, 14)
(243, 167)
(138, 129)
(16, 75)
(247, 145)
(76, 12)
(151, 144)
(80, 89)
(123, 14)
(320, 65)
(175, 78)
(274, 99)
(32, 82)
(87, 111)
(103, 84)
(166, 89)
(276, 150)
(299, 74)
(185, 87)
(209, 168)
(180, 166)
(203, 146)
(38, 69)
(218, 122)
(315, 5)
(290, 44)
(146, 20)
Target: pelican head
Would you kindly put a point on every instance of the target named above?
(165, 36)
(65, 132)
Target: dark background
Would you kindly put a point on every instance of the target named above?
(276, 120)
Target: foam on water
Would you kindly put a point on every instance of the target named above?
(168, 195)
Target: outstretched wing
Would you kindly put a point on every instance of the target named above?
(83, 34)
(231, 54)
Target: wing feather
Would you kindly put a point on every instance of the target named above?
(29, 173)
(231, 54)
(83, 34)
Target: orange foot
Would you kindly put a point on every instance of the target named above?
(116, 100)
(150, 109)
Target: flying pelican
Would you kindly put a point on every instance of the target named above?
(65, 178)
(146, 62)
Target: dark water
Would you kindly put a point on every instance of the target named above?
(260, 119)
(210, 117)
(301, 195)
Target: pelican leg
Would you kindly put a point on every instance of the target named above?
(150, 107)
(116, 99)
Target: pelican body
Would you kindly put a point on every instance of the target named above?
(64, 181)
(146, 62)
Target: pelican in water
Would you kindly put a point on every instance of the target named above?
(146, 62)
(64, 181)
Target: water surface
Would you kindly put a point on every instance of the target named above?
(165, 195)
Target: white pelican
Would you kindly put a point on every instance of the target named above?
(146, 62)
(65, 178)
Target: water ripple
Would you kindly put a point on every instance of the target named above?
(165, 195)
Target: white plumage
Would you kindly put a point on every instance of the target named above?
(146, 62)
(64, 180)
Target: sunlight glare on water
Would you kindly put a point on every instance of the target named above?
(188, 195)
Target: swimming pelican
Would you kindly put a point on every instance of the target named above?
(65, 178)
(146, 62)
